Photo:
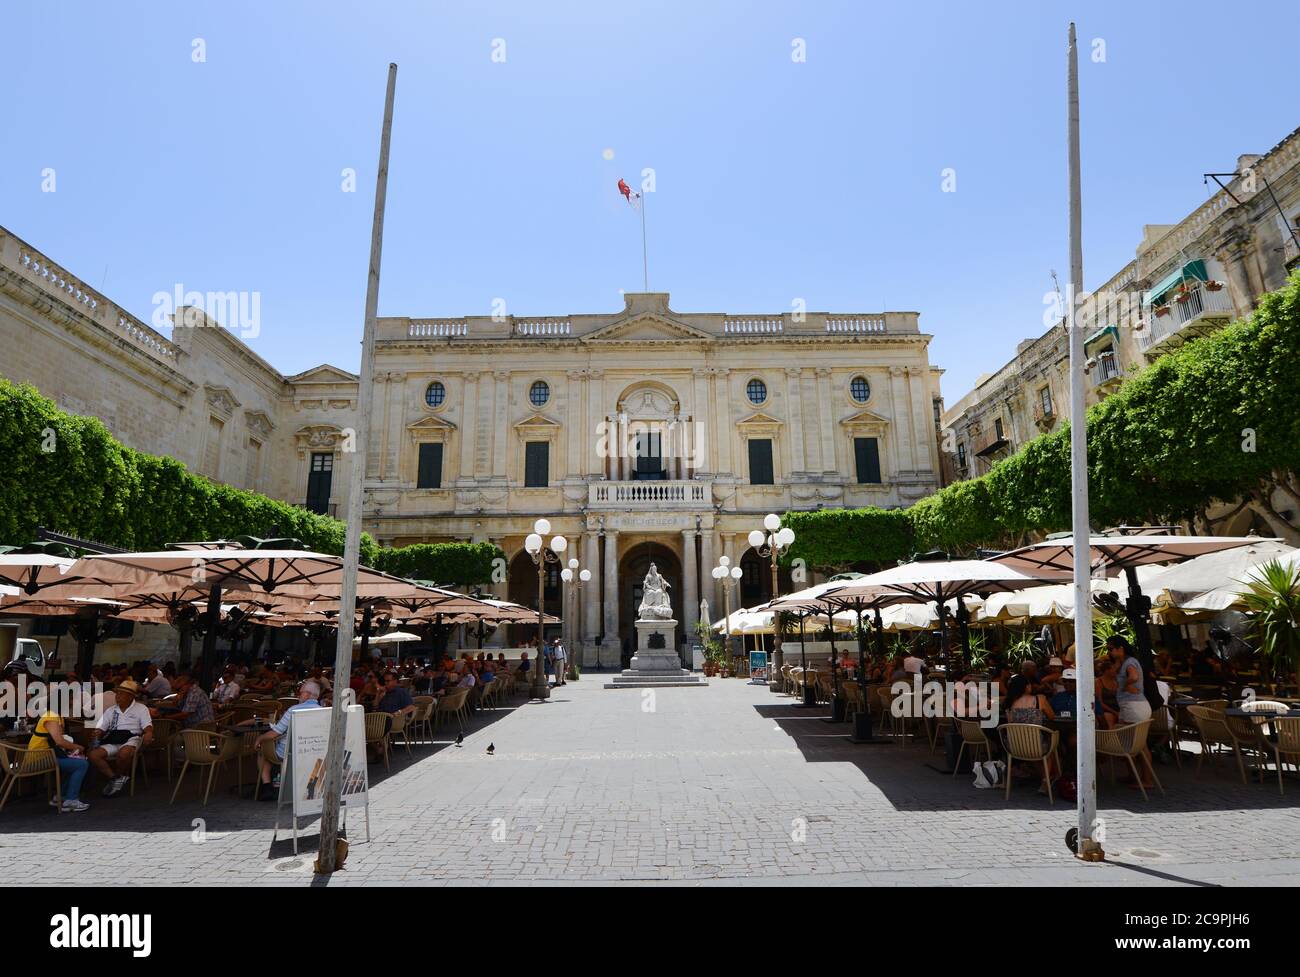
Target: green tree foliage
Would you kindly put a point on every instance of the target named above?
(67, 473)
(443, 563)
(1209, 422)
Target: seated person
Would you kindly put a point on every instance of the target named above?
(156, 685)
(124, 728)
(308, 698)
(524, 663)
(192, 705)
(1164, 661)
(394, 699)
(72, 765)
(228, 690)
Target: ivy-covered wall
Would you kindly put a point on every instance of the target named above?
(1216, 420)
(68, 474)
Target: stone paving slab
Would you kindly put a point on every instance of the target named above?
(728, 785)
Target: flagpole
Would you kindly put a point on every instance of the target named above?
(332, 797)
(645, 259)
(1086, 756)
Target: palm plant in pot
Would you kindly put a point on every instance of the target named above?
(1272, 598)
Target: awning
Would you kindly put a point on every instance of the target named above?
(1193, 269)
(1100, 333)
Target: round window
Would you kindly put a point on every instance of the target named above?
(860, 390)
(435, 394)
(539, 393)
(756, 391)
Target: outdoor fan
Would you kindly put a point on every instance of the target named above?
(1108, 602)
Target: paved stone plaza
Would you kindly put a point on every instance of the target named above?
(683, 786)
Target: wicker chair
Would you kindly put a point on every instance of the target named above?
(1287, 744)
(1127, 742)
(851, 694)
(164, 738)
(20, 763)
(1163, 729)
(377, 726)
(1030, 743)
(422, 719)
(204, 748)
(1213, 731)
(973, 739)
(1251, 741)
(452, 704)
(401, 722)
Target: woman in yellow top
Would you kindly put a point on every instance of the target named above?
(72, 766)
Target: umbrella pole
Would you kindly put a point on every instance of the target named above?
(1137, 607)
(861, 718)
(208, 657)
(837, 704)
(809, 691)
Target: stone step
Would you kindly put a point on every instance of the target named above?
(647, 682)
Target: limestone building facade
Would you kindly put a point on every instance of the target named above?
(643, 434)
(1186, 280)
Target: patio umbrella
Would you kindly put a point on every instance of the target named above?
(391, 638)
(938, 579)
(811, 601)
(1175, 586)
(1122, 551)
(1228, 597)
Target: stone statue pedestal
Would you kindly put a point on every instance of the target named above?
(655, 667)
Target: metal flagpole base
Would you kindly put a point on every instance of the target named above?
(862, 729)
(809, 699)
(837, 710)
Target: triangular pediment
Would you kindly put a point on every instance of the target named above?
(324, 374)
(758, 418)
(431, 423)
(537, 422)
(864, 417)
(646, 328)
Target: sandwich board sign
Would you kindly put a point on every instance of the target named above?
(757, 666)
(302, 776)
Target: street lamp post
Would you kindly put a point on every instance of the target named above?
(542, 553)
(772, 545)
(726, 575)
(576, 577)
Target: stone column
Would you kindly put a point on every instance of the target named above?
(500, 423)
(468, 425)
(612, 638)
(708, 560)
(826, 412)
(794, 413)
(690, 586)
(590, 595)
(574, 435)
(724, 431)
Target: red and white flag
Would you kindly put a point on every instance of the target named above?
(631, 196)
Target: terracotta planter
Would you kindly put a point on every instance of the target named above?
(1162, 310)
(1214, 286)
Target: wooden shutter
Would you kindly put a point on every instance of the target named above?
(430, 474)
(537, 464)
(866, 454)
(760, 462)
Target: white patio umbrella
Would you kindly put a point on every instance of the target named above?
(1123, 551)
(1173, 587)
(1228, 597)
(391, 638)
(940, 580)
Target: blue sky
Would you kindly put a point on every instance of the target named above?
(775, 180)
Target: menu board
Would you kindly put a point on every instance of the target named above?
(309, 731)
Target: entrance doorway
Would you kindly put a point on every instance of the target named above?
(631, 576)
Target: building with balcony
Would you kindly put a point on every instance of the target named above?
(643, 435)
(1186, 281)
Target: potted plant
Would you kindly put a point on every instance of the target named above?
(1213, 286)
(1162, 309)
(1183, 293)
(1273, 600)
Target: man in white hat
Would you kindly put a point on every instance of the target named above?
(125, 727)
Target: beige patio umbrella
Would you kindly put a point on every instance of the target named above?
(390, 638)
(1228, 597)
(1174, 587)
(30, 574)
(1123, 551)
